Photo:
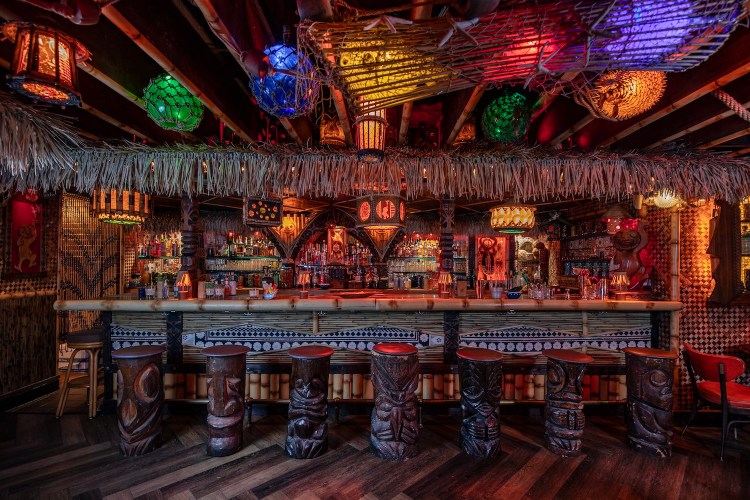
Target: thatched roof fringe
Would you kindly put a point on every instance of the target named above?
(524, 174)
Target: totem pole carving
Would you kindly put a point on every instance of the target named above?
(481, 391)
(563, 412)
(140, 394)
(225, 377)
(394, 426)
(650, 395)
(307, 431)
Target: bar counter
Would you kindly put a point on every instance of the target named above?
(352, 322)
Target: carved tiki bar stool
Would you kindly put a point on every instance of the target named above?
(91, 341)
(480, 372)
(563, 411)
(225, 378)
(307, 431)
(140, 394)
(650, 378)
(394, 427)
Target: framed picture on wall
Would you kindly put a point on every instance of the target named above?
(24, 234)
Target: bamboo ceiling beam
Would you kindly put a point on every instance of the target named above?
(476, 95)
(420, 11)
(725, 138)
(580, 124)
(740, 152)
(114, 16)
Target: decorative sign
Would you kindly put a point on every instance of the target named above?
(25, 234)
(261, 212)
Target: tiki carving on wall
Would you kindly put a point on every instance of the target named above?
(225, 377)
(481, 390)
(650, 396)
(307, 431)
(563, 412)
(140, 394)
(394, 426)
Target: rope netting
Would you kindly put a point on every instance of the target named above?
(383, 61)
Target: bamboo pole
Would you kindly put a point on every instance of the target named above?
(674, 288)
(476, 95)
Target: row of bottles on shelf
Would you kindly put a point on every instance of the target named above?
(354, 253)
(415, 245)
(596, 267)
(599, 247)
(238, 245)
(161, 245)
(265, 264)
(413, 265)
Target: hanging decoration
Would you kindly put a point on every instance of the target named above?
(467, 134)
(381, 61)
(331, 133)
(171, 105)
(619, 95)
(121, 207)
(615, 217)
(507, 118)
(370, 138)
(665, 199)
(382, 216)
(261, 212)
(44, 63)
(289, 89)
(512, 218)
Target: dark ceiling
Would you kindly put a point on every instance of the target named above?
(136, 40)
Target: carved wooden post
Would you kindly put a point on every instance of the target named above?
(650, 394)
(307, 431)
(450, 318)
(563, 411)
(191, 238)
(140, 394)
(481, 389)
(395, 375)
(225, 377)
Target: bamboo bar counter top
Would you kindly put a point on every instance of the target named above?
(352, 322)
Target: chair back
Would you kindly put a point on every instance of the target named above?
(707, 365)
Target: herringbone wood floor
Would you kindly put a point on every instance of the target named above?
(41, 457)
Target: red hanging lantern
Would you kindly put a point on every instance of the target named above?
(44, 63)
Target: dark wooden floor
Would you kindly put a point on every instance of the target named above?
(41, 457)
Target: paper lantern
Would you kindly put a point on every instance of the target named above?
(507, 117)
(512, 219)
(381, 210)
(289, 89)
(121, 207)
(171, 105)
(370, 138)
(261, 212)
(44, 63)
(619, 95)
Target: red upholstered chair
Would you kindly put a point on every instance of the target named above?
(717, 388)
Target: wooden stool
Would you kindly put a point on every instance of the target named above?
(307, 431)
(480, 372)
(225, 377)
(140, 394)
(91, 341)
(650, 378)
(394, 427)
(563, 411)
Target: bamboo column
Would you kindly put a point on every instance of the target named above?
(674, 287)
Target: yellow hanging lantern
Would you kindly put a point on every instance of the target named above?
(512, 219)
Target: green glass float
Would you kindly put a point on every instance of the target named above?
(171, 105)
(508, 116)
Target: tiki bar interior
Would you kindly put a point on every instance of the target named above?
(375, 248)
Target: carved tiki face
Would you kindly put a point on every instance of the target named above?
(655, 384)
(563, 380)
(626, 240)
(309, 388)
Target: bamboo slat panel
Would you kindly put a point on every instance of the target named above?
(559, 321)
(427, 322)
(147, 322)
(611, 322)
(292, 321)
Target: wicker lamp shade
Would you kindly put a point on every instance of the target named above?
(507, 117)
(44, 63)
(665, 199)
(121, 207)
(512, 219)
(289, 89)
(370, 138)
(619, 95)
(171, 105)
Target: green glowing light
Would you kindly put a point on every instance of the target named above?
(507, 117)
(170, 104)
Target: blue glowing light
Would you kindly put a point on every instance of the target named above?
(291, 89)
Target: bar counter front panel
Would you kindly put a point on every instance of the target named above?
(520, 328)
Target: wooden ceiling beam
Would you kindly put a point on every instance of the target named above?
(112, 13)
(732, 61)
(725, 138)
(420, 11)
(215, 17)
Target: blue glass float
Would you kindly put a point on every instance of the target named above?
(291, 89)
